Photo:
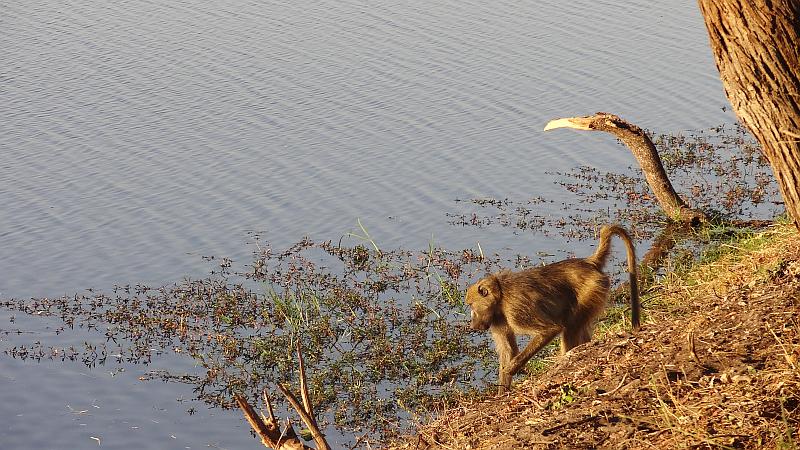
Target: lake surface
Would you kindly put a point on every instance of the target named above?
(138, 136)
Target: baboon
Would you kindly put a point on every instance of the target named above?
(563, 297)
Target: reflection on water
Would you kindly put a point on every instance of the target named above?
(137, 136)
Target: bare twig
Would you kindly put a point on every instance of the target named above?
(616, 388)
(269, 406)
(303, 383)
(267, 427)
(690, 338)
(307, 417)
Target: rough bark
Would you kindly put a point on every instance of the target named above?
(756, 45)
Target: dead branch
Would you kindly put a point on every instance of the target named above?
(642, 147)
(268, 429)
(308, 418)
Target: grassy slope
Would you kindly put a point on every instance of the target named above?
(716, 365)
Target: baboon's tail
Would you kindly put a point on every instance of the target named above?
(600, 257)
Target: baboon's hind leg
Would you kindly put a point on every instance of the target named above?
(591, 301)
(572, 338)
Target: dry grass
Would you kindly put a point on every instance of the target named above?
(715, 366)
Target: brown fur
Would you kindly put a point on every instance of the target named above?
(560, 298)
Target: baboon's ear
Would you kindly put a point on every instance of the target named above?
(491, 285)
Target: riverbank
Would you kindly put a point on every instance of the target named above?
(715, 365)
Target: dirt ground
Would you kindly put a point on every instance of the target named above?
(716, 365)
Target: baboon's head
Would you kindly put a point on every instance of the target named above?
(484, 299)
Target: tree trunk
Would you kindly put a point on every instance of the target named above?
(755, 45)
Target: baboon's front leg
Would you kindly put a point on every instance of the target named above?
(506, 345)
(537, 342)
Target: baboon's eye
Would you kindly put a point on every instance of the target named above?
(482, 290)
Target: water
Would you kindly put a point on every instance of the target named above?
(138, 136)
